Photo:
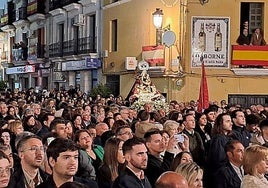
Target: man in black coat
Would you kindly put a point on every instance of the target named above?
(157, 164)
(135, 153)
(239, 128)
(28, 173)
(230, 175)
(62, 155)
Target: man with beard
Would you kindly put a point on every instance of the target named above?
(158, 164)
(135, 153)
(231, 174)
(62, 155)
(28, 173)
(58, 128)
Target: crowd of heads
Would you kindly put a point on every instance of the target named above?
(69, 136)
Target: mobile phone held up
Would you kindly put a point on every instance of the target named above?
(179, 138)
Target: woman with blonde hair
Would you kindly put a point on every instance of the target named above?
(255, 164)
(192, 173)
(171, 127)
(16, 127)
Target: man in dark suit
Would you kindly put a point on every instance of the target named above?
(135, 153)
(62, 155)
(230, 175)
(157, 164)
(239, 128)
(28, 173)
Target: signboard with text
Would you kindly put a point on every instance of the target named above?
(87, 64)
(20, 69)
(210, 42)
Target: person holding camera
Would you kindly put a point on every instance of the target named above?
(172, 128)
(158, 164)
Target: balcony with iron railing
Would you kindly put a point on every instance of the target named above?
(55, 50)
(87, 45)
(36, 7)
(73, 47)
(70, 47)
(54, 4)
(249, 60)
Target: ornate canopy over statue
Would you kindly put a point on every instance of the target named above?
(144, 91)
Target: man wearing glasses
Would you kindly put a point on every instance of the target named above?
(28, 173)
(124, 133)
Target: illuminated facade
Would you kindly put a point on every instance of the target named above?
(128, 27)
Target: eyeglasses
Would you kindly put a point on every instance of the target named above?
(35, 149)
(7, 170)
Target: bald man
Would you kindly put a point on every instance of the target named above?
(171, 179)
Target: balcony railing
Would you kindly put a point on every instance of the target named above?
(55, 50)
(36, 7)
(249, 56)
(87, 45)
(70, 47)
(250, 60)
(73, 47)
(54, 4)
(21, 14)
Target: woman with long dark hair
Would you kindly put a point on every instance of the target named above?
(95, 152)
(113, 162)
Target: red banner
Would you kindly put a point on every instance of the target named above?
(203, 101)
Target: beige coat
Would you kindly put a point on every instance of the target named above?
(250, 181)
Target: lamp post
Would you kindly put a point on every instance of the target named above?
(157, 20)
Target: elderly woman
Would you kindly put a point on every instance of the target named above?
(255, 164)
(171, 127)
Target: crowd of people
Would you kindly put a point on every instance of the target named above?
(67, 139)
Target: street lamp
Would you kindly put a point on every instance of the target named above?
(158, 20)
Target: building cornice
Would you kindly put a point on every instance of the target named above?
(250, 71)
(116, 4)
